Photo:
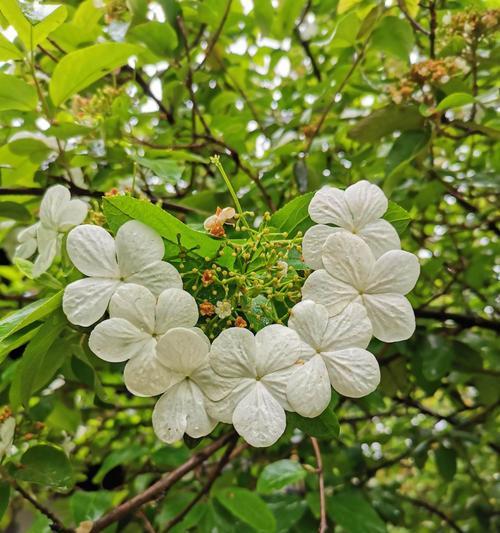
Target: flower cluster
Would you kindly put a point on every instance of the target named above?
(243, 378)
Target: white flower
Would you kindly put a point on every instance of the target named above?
(182, 408)
(7, 429)
(223, 309)
(214, 223)
(58, 214)
(257, 368)
(282, 268)
(134, 256)
(353, 275)
(333, 353)
(137, 320)
(356, 210)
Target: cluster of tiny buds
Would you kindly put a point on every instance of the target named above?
(471, 25)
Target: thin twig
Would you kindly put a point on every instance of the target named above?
(467, 321)
(148, 527)
(411, 20)
(433, 510)
(323, 524)
(433, 28)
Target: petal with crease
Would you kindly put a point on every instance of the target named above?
(310, 321)
(214, 386)
(309, 390)
(223, 409)
(182, 351)
(353, 372)
(135, 304)
(137, 246)
(348, 258)
(47, 249)
(86, 300)
(391, 316)
(157, 277)
(312, 244)
(334, 294)
(72, 214)
(351, 327)
(175, 308)
(277, 347)
(380, 237)
(396, 271)
(233, 353)
(92, 250)
(116, 340)
(54, 199)
(329, 206)
(144, 375)
(366, 201)
(259, 418)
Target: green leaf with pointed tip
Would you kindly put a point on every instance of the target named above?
(280, 474)
(294, 216)
(455, 100)
(397, 216)
(8, 50)
(16, 94)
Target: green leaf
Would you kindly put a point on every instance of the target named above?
(44, 354)
(278, 475)
(394, 36)
(294, 216)
(345, 5)
(119, 209)
(17, 339)
(159, 37)
(90, 505)
(324, 426)
(21, 159)
(16, 94)
(247, 507)
(15, 211)
(46, 465)
(8, 50)
(446, 460)
(29, 314)
(31, 34)
(397, 216)
(164, 168)
(386, 120)
(81, 68)
(4, 497)
(117, 457)
(350, 510)
(405, 148)
(455, 100)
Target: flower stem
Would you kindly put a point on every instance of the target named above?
(216, 161)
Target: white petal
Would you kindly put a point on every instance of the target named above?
(54, 200)
(210, 221)
(380, 237)
(86, 300)
(259, 418)
(277, 347)
(27, 241)
(223, 409)
(92, 251)
(310, 321)
(181, 410)
(233, 353)
(182, 351)
(353, 372)
(116, 340)
(334, 294)
(396, 271)
(348, 258)
(214, 386)
(137, 246)
(366, 201)
(144, 375)
(175, 308)
(391, 316)
(309, 390)
(135, 304)
(329, 206)
(72, 214)
(47, 240)
(312, 244)
(157, 277)
(276, 383)
(350, 328)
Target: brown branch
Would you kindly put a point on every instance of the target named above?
(434, 510)
(433, 28)
(215, 38)
(323, 524)
(162, 486)
(307, 49)
(148, 527)
(411, 20)
(466, 321)
(208, 485)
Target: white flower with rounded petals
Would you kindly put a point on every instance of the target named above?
(190, 381)
(58, 214)
(356, 210)
(352, 275)
(258, 369)
(333, 354)
(137, 320)
(134, 256)
(223, 309)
